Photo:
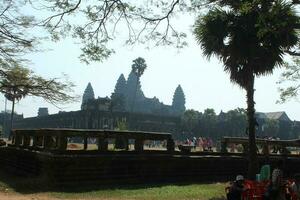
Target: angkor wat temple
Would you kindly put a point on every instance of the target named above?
(126, 108)
(129, 97)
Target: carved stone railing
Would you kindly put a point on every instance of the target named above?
(57, 139)
(265, 144)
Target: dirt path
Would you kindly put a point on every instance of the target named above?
(16, 196)
(39, 196)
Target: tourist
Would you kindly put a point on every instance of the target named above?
(236, 189)
(200, 143)
(277, 188)
(209, 144)
(295, 187)
(204, 144)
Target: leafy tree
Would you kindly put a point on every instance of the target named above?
(95, 23)
(249, 38)
(236, 122)
(190, 120)
(17, 82)
(209, 122)
(291, 76)
(137, 68)
(15, 39)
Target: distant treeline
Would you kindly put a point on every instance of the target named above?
(233, 123)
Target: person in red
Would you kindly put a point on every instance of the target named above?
(294, 188)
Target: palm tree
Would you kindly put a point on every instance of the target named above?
(17, 82)
(250, 38)
(138, 67)
(14, 86)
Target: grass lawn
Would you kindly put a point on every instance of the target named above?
(151, 192)
(26, 188)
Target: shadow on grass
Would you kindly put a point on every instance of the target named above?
(30, 185)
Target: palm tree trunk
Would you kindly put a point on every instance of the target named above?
(12, 117)
(253, 160)
(136, 87)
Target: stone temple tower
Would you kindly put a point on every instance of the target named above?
(178, 104)
(87, 95)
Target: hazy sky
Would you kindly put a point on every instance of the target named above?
(204, 82)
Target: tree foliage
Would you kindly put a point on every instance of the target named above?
(17, 82)
(290, 81)
(232, 123)
(15, 36)
(95, 24)
(137, 70)
(250, 38)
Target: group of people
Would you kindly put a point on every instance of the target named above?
(276, 189)
(205, 143)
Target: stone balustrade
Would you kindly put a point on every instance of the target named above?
(266, 145)
(58, 139)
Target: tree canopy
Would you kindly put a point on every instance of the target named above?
(16, 38)
(95, 23)
(250, 38)
(290, 81)
(17, 82)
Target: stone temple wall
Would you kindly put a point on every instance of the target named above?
(102, 120)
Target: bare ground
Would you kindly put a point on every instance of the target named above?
(17, 196)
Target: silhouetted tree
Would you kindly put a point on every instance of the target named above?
(17, 82)
(249, 38)
(290, 76)
(137, 68)
(209, 122)
(190, 120)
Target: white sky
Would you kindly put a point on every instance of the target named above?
(204, 82)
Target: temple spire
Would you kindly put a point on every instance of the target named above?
(178, 103)
(88, 94)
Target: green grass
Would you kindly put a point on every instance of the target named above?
(151, 192)
(20, 186)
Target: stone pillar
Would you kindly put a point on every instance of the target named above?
(18, 139)
(139, 144)
(26, 141)
(170, 145)
(85, 143)
(102, 144)
(62, 142)
(46, 142)
(265, 149)
(34, 141)
(39, 140)
(224, 146)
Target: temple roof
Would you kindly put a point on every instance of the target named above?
(282, 116)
